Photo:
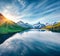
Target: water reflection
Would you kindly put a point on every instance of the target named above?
(32, 43)
(4, 37)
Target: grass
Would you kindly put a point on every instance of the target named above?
(54, 28)
(10, 28)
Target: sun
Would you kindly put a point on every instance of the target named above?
(11, 17)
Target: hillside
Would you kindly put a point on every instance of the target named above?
(54, 28)
(8, 26)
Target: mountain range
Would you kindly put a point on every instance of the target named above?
(38, 25)
(8, 26)
(25, 25)
(34, 26)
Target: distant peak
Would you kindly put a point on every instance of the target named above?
(21, 22)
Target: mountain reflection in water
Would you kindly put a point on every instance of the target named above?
(4, 37)
(32, 43)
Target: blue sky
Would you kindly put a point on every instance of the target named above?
(31, 11)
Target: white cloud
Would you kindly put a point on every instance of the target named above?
(11, 12)
(22, 2)
(41, 4)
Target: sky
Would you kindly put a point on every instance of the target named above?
(31, 11)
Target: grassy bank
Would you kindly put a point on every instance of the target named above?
(53, 28)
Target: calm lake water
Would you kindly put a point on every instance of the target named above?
(32, 43)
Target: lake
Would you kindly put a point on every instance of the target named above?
(33, 42)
